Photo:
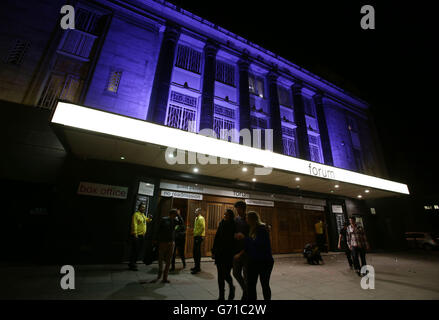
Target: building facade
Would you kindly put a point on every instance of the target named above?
(152, 61)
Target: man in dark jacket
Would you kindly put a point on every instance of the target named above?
(223, 250)
(343, 244)
(180, 240)
(165, 236)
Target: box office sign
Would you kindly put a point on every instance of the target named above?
(102, 190)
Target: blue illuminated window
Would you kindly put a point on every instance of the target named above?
(256, 85)
(188, 59)
(284, 96)
(225, 73)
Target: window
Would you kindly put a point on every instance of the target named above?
(17, 52)
(224, 119)
(289, 141)
(183, 99)
(113, 83)
(188, 59)
(225, 73)
(223, 111)
(286, 131)
(221, 124)
(87, 21)
(309, 107)
(256, 85)
(284, 96)
(258, 123)
(78, 44)
(64, 87)
(289, 146)
(179, 117)
(314, 148)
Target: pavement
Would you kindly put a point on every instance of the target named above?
(401, 275)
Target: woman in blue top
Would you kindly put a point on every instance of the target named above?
(260, 258)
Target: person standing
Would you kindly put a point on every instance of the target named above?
(343, 244)
(260, 258)
(320, 235)
(138, 232)
(199, 234)
(180, 240)
(357, 243)
(165, 237)
(240, 258)
(223, 251)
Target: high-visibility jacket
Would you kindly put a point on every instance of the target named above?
(138, 224)
(200, 226)
(319, 227)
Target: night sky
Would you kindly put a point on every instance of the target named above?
(390, 67)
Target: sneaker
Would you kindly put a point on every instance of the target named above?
(195, 271)
(165, 281)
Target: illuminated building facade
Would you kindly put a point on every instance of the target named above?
(152, 61)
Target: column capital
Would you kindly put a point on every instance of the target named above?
(272, 75)
(172, 32)
(297, 87)
(318, 97)
(244, 62)
(211, 48)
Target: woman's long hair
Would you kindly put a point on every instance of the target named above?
(254, 216)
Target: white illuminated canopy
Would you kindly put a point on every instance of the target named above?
(97, 121)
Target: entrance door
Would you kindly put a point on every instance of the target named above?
(191, 206)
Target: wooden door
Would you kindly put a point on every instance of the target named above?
(283, 231)
(214, 214)
(295, 227)
(192, 205)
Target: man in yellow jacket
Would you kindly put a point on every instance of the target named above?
(138, 232)
(199, 234)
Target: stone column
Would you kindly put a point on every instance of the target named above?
(244, 94)
(323, 128)
(275, 119)
(207, 99)
(299, 118)
(162, 80)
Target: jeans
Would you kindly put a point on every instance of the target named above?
(357, 254)
(224, 276)
(261, 269)
(349, 256)
(240, 269)
(136, 246)
(197, 251)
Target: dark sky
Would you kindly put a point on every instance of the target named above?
(391, 67)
